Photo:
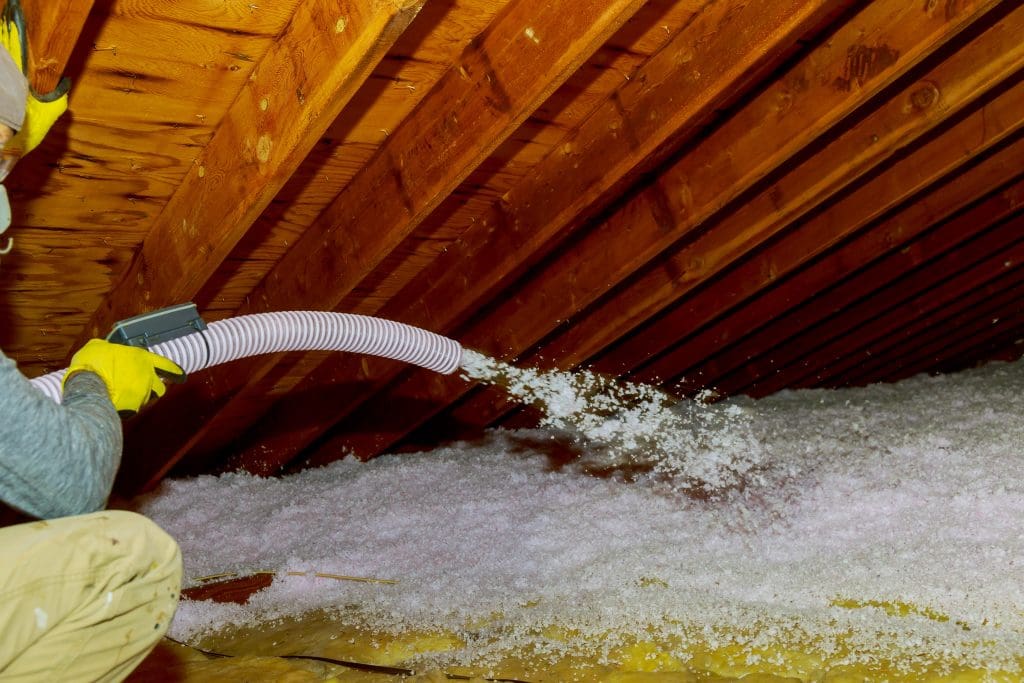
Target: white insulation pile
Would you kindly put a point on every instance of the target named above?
(909, 494)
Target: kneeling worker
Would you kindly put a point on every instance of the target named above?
(85, 594)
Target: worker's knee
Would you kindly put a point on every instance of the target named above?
(142, 538)
(83, 588)
(150, 555)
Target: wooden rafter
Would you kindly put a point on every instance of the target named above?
(725, 334)
(738, 196)
(937, 307)
(919, 339)
(408, 73)
(664, 100)
(695, 320)
(956, 354)
(766, 322)
(741, 152)
(53, 27)
(940, 280)
(896, 124)
(420, 163)
(326, 52)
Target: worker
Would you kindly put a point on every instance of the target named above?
(85, 594)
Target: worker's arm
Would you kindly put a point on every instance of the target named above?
(56, 460)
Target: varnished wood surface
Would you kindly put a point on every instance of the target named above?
(424, 160)
(571, 179)
(84, 200)
(701, 193)
(692, 190)
(52, 35)
(308, 75)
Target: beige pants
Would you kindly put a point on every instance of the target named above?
(84, 598)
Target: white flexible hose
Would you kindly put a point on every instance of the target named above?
(251, 335)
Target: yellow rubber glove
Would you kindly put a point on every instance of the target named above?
(39, 115)
(130, 373)
(39, 118)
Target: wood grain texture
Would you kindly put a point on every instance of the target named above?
(694, 193)
(425, 159)
(670, 95)
(938, 279)
(728, 335)
(733, 159)
(911, 348)
(585, 92)
(645, 33)
(136, 120)
(53, 27)
(715, 303)
(419, 58)
(959, 353)
(766, 295)
(296, 91)
(788, 115)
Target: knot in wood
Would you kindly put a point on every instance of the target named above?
(925, 96)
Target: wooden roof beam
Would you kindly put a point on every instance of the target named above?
(742, 151)
(475, 106)
(939, 279)
(53, 27)
(768, 308)
(953, 353)
(296, 91)
(997, 206)
(999, 334)
(763, 281)
(673, 93)
(895, 125)
(922, 337)
(691, 368)
(766, 351)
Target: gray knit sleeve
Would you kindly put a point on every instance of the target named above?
(56, 460)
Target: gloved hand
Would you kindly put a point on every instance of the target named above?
(129, 372)
(39, 118)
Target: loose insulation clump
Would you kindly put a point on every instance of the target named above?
(696, 445)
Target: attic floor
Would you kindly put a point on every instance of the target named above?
(323, 635)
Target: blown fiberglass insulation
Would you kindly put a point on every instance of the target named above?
(909, 494)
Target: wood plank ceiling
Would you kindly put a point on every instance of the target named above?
(744, 196)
